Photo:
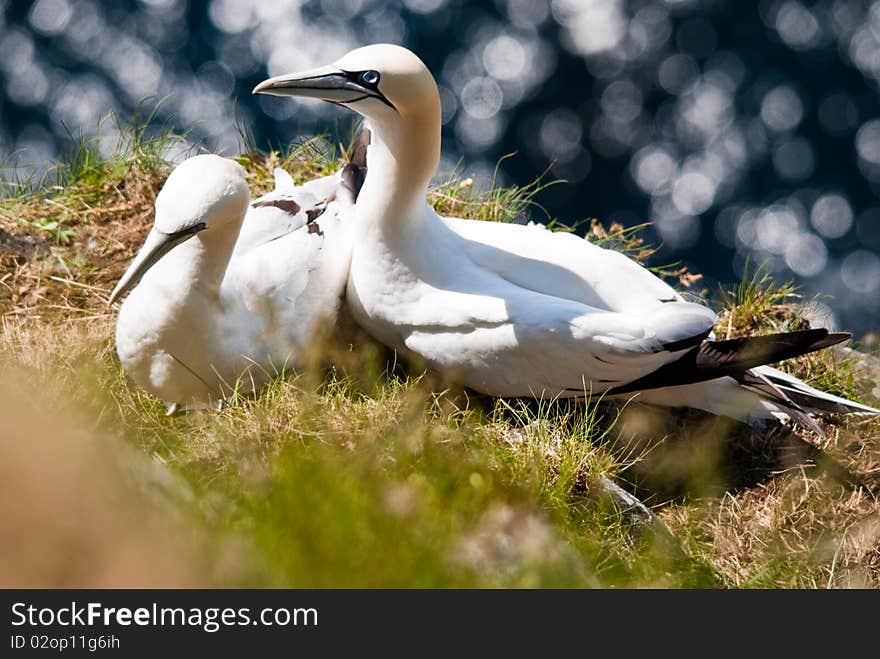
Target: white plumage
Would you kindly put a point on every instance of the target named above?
(230, 293)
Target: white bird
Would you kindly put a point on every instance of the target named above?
(228, 293)
(513, 310)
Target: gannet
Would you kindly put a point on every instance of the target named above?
(227, 293)
(520, 311)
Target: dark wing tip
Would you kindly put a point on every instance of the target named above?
(713, 359)
(834, 338)
(747, 352)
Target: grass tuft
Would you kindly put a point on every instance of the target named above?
(760, 305)
(460, 197)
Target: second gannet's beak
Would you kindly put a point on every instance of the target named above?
(327, 83)
(157, 245)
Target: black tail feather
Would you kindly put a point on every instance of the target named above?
(739, 355)
(733, 357)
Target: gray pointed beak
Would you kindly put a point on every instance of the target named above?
(326, 83)
(157, 245)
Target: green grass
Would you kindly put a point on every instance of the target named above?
(362, 471)
(459, 197)
(760, 305)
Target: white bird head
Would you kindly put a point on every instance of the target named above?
(204, 189)
(203, 193)
(395, 91)
(382, 82)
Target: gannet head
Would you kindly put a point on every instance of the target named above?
(383, 82)
(203, 193)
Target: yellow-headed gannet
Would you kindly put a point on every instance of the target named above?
(227, 293)
(513, 310)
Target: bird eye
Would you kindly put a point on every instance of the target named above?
(370, 77)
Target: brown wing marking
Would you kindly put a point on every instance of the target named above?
(287, 205)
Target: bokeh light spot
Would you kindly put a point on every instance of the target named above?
(860, 272)
(806, 255)
(781, 108)
(693, 193)
(50, 17)
(481, 97)
(831, 215)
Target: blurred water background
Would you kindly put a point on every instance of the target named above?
(739, 129)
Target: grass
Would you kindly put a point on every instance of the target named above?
(760, 305)
(456, 196)
(360, 471)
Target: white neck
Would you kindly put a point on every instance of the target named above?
(215, 251)
(197, 266)
(402, 158)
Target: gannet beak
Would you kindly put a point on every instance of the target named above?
(157, 245)
(327, 83)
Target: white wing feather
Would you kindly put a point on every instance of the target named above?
(264, 223)
(562, 264)
(525, 312)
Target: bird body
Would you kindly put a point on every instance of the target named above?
(508, 324)
(519, 311)
(240, 298)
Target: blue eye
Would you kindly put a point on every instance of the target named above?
(370, 77)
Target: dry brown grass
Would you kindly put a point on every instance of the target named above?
(83, 232)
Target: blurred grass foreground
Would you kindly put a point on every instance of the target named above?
(354, 472)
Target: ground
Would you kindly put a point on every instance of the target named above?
(355, 471)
